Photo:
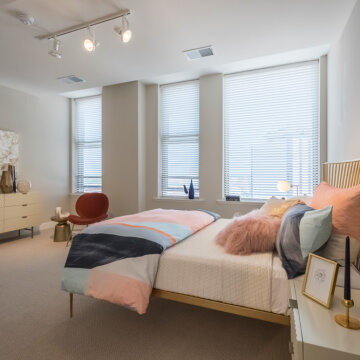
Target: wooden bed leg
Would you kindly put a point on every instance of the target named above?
(71, 305)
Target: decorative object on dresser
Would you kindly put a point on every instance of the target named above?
(320, 279)
(24, 186)
(6, 183)
(20, 211)
(314, 334)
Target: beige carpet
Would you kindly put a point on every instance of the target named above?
(35, 323)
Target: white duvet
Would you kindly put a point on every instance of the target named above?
(201, 268)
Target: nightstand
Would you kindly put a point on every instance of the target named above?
(314, 333)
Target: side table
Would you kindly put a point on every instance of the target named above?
(62, 229)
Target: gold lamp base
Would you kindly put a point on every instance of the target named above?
(345, 320)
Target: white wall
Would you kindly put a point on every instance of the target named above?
(344, 92)
(211, 150)
(123, 147)
(43, 125)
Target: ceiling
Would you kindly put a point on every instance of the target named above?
(270, 31)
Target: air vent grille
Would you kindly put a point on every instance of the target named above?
(199, 53)
(71, 79)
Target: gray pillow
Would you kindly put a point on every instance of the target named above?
(315, 230)
(288, 241)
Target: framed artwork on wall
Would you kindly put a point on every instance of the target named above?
(9, 148)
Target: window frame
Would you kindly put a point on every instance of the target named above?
(321, 120)
(186, 136)
(74, 165)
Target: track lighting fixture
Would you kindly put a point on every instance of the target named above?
(55, 51)
(90, 43)
(124, 31)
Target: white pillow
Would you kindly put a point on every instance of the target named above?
(277, 207)
(335, 249)
(305, 198)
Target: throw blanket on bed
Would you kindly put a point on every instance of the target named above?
(117, 259)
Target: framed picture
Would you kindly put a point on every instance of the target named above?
(320, 279)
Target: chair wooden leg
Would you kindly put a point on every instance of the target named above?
(71, 305)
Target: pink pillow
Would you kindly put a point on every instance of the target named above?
(346, 207)
(253, 232)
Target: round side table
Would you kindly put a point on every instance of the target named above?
(62, 229)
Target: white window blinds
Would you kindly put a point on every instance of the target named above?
(87, 145)
(271, 130)
(179, 138)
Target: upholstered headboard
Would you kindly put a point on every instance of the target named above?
(342, 174)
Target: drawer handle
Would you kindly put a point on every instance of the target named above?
(24, 204)
(24, 217)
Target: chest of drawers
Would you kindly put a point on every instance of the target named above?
(20, 211)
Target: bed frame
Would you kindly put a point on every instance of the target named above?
(339, 174)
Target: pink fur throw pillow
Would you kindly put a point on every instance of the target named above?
(253, 232)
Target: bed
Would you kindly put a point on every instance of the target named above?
(199, 272)
(198, 269)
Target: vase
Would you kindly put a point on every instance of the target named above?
(6, 184)
(191, 190)
(24, 186)
(13, 174)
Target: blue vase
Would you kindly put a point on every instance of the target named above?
(191, 190)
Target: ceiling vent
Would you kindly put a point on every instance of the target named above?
(71, 79)
(198, 53)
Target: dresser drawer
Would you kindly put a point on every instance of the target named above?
(21, 199)
(22, 222)
(1, 200)
(22, 210)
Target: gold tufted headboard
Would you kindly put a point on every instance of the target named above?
(342, 174)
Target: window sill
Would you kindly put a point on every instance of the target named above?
(242, 202)
(177, 199)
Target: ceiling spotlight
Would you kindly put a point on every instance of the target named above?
(26, 19)
(90, 43)
(55, 51)
(124, 31)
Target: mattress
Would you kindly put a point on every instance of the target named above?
(199, 267)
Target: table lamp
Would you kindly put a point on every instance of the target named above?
(285, 186)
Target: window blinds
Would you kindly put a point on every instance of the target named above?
(271, 130)
(87, 145)
(179, 137)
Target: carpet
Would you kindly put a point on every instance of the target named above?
(35, 323)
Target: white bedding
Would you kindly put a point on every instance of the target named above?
(199, 267)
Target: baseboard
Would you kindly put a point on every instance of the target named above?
(47, 225)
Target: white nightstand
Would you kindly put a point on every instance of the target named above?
(314, 333)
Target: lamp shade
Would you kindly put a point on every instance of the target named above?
(283, 186)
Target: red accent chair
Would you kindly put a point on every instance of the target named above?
(91, 208)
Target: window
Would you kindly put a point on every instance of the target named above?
(179, 138)
(87, 145)
(271, 130)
